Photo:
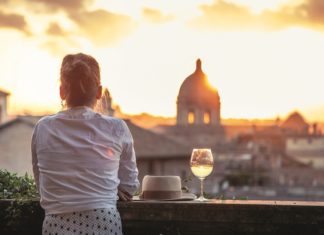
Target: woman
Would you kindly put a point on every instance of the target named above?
(82, 160)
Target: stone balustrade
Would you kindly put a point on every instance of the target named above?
(221, 217)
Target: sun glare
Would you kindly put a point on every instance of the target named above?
(258, 6)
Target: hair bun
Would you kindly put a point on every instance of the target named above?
(79, 70)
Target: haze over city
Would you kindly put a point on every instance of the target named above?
(240, 80)
(263, 57)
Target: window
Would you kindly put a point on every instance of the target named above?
(207, 117)
(191, 117)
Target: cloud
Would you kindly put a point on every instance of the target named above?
(308, 13)
(102, 27)
(222, 14)
(56, 47)
(99, 26)
(59, 42)
(14, 21)
(54, 29)
(155, 16)
(312, 10)
(227, 15)
(66, 5)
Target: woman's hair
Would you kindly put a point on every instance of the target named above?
(80, 79)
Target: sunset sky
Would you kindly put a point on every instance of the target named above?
(265, 57)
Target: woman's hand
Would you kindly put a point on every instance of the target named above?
(124, 196)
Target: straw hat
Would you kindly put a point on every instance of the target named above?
(163, 188)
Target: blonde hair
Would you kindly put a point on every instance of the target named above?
(80, 79)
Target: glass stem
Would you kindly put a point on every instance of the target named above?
(201, 188)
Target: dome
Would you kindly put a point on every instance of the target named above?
(196, 90)
(198, 102)
(296, 123)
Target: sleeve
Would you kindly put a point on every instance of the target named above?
(34, 158)
(128, 173)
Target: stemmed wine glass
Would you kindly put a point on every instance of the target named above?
(201, 164)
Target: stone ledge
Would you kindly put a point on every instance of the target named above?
(195, 218)
(224, 217)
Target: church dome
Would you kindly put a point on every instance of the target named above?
(196, 90)
(198, 102)
(295, 123)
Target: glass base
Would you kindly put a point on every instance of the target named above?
(201, 199)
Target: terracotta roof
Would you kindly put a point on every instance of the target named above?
(147, 143)
(289, 161)
(194, 136)
(18, 120)
(150, 144)
(30, 119)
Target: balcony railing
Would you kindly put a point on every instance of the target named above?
(188, 218)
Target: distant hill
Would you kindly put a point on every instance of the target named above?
(248, 122)
(146, 120)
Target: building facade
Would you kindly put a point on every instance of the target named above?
(307, 149)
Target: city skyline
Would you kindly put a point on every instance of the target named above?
(263, 58)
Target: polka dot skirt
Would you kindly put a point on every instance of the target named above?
(91, 222)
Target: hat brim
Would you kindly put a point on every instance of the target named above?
(184, 197)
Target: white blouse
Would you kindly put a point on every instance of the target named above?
(79, 160)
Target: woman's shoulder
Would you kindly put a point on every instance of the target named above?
(113, 120)
(43, 122)
(46, 119)
(116, 126)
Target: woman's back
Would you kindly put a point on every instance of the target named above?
(78, 154)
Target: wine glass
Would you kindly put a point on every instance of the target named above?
(201, 164)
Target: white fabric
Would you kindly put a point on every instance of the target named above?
(79, 159)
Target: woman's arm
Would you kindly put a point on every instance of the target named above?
(128, 172)
(34, 158)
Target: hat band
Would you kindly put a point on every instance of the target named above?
(161, 194)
